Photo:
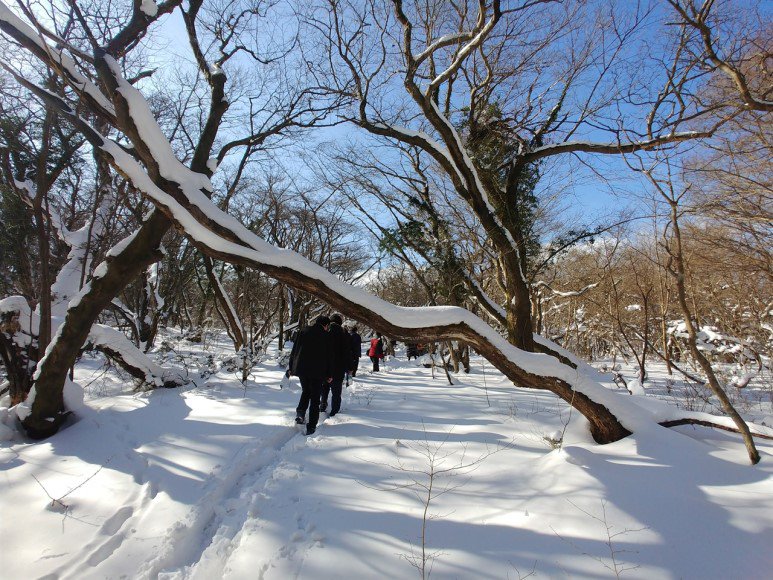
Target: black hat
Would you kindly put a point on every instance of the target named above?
(322, 320)
(337, 319)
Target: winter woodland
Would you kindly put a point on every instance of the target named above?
(567, 204)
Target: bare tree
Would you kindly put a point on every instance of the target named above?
(673, 244)
(181, 193)
(739, 58)
(481, 72)
(84, 75)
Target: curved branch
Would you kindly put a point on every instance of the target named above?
(705, 423)
(613, 148)
(135, 29)
(32, 41)
(698, 22)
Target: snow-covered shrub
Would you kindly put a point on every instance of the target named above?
(208, 366)
(714, 343)
(193, 335)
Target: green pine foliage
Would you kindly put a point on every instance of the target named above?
(493, 148)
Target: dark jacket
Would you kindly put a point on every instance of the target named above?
(312, 354)
(342, 358)
(356, 342)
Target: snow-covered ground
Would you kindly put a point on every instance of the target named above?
(214, 480)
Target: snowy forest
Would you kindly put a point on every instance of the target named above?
(568, 205)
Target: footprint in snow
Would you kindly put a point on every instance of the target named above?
(311, 531)
(105, 550)
(114, 522)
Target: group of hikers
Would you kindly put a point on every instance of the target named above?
(323, 355)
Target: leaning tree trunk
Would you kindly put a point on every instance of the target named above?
(230, 247)
(679, 274)
(125, 266)
(224, 307)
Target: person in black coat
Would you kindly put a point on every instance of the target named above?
(342, 359)
(311, 361)
(356, 348)
(356, 343)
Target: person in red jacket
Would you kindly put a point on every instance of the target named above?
(376, 351)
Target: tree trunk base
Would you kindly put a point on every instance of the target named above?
(38, 429)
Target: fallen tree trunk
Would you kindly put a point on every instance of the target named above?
(712, 424)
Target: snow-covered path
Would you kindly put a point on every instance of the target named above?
(216, 481)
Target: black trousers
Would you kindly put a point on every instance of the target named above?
(336, 387)
(311, 389)
(374, 360)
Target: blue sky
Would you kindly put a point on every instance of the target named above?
(595, 184)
